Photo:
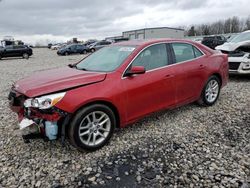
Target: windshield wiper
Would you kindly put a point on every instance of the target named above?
(81, 69)
(71, 65)
(74, 66)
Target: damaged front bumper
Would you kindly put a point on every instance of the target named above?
(239, 65)
(35, 123)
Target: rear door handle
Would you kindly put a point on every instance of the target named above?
(202, 66)
(168, 76)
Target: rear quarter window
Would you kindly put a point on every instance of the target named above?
(197, 52)
(185, 52)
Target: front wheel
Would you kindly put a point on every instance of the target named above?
(92, 50)
(92, 127)
(26, 56)
(211, 91)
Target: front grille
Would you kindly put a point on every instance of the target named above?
(234, 65)
(236, 54)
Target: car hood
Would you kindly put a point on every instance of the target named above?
(229, 46)
(54, 80)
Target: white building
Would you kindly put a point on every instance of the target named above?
(157, 32)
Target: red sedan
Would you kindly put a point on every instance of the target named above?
(116, 86)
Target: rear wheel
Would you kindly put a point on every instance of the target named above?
(84, 51)
(92, 50)
(66, 53)
(211, 91)
(26, 56)
(92, 127)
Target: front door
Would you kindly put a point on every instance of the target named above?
(153, 90)
(9, 51)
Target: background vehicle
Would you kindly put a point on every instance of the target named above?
(213, 41)
(49, 45)
(98, 45)
(73, 49)
(238, 51)
(16, 51)
(116, 86)
(55, 46)
(89, 42)
(198, 40)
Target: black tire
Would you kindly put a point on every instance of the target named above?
(204, 101)
(66, 53)
(78, 120)
(92, 50)
(84, 52)
(26, 56)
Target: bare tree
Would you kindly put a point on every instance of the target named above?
(230, 25)
(227, 26)
(247, 24)
(217, 27)
(205, 29)
(242, 24)
(198, 30)
(235, 25)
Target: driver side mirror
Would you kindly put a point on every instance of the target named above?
(135, 70)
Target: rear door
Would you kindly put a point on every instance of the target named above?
(73, 49)
(79, 49)
(190, 71)
(153, 90)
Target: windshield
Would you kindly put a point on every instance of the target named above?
(241, 37)
(106, 59)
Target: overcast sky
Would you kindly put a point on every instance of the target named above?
(59, 20)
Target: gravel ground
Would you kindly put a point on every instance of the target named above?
(190, 146)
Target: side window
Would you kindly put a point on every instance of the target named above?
(152, 57)
(73, 47)
(18, 47)
(9, 47)
(78, 47)
(103, 43)
(185, 52)
(219, 37)
(197, 52)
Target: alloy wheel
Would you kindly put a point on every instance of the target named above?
(94, 128)
(212, 90)
(25, 56)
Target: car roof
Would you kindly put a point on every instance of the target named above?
(144, 43)
(149, 41)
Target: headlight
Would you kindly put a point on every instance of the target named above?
(44, 102)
